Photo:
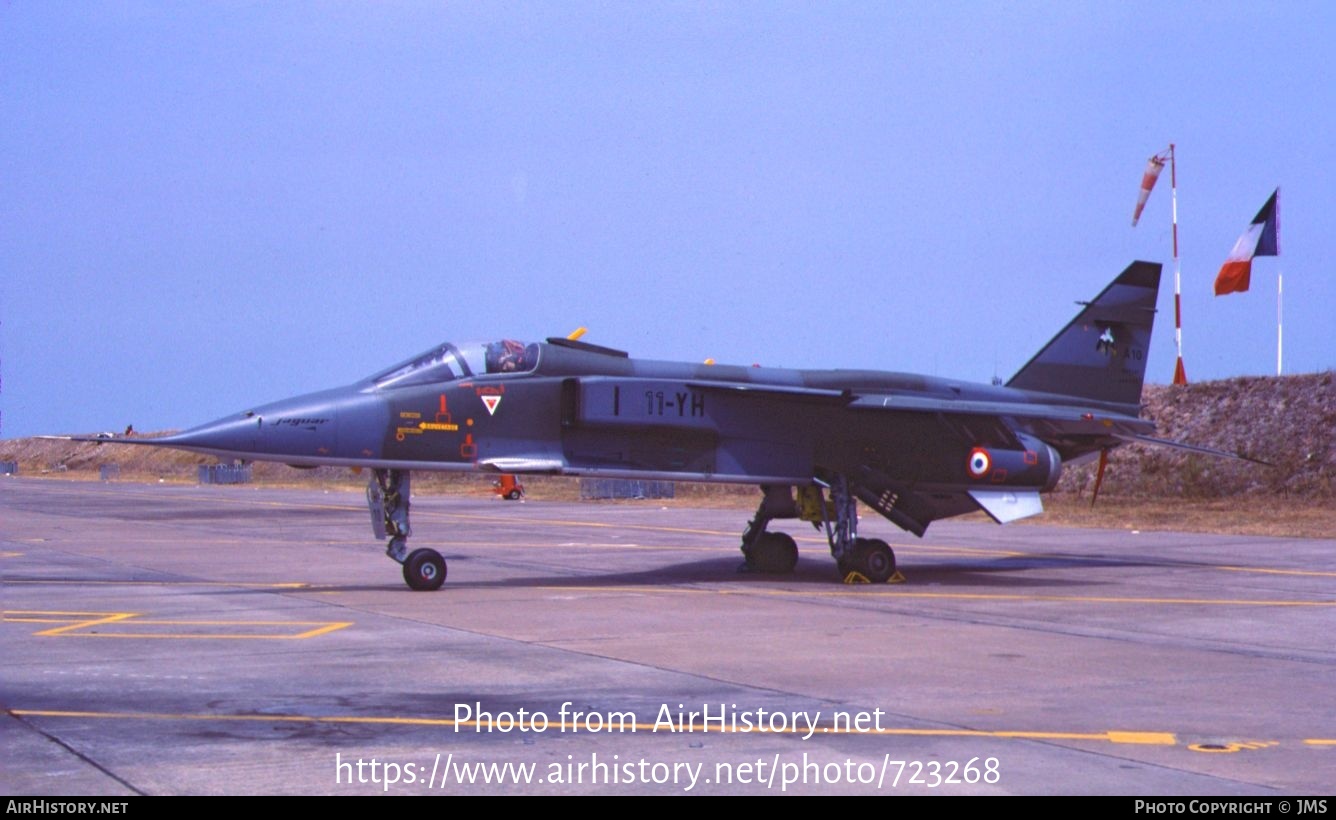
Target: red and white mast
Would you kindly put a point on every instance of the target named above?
(1153, 167)
(1180, 376)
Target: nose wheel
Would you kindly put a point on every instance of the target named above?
(424, 570)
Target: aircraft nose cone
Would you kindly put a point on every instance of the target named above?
(235, 434)
(301, 431)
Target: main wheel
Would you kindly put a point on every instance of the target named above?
(774, 553)
(875, 559)
(513, 495)
(424, 570)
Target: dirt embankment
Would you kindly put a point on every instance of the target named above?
(1287, 421)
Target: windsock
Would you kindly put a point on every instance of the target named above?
(1153, 168)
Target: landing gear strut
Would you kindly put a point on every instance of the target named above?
(860, 560)
(387, 494)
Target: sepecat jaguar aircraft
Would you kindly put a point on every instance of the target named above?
(913, 448)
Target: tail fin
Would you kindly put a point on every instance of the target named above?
(1101, 354)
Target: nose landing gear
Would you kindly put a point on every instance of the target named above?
(387, 494)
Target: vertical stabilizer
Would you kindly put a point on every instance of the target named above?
(1101, 354)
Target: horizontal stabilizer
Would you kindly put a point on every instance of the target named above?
(1193, 448)
(1005, 506)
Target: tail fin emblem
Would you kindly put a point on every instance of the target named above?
(1105, 344)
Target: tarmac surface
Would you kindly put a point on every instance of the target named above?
(167, 639)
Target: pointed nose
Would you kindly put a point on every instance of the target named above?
(231, 436)
(302, 430)
(342, 426)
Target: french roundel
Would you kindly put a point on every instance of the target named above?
(980, 463)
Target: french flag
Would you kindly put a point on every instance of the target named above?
(1262, 238)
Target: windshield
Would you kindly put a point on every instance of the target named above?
(447, 362)
(438, 364)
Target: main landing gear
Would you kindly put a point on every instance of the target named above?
(859, 560)
(770, 552)
(387, 494)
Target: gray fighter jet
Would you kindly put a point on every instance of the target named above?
(913, 448)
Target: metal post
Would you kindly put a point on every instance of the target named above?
(1279, 325)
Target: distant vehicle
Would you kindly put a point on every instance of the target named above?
(913, 448)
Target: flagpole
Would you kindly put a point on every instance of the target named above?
(1180, 375)
(1279, 324)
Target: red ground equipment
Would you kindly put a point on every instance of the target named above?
(508, 487)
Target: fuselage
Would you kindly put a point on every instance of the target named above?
(568, 408)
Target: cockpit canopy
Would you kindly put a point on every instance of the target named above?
(448, 362)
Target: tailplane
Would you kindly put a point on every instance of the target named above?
(1101, 354)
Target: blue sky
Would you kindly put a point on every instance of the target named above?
(206, 206)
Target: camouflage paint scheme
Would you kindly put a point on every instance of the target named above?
(914, 448)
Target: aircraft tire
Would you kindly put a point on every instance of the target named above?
(774, 553)
(424, 570)
(513, 495)
(875, 559)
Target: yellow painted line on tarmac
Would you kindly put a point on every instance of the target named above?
(132, 625)
(959, 549)
(560, 522)
(514, 521)
(131, 582)
(139, 539)
(1143, 738)
(1121, 600)
(950, 549)
(72, 620)
(732, 534)
(317, 628)
(898, 545)
(550, 545)
(1134, 738)
(720, 551)
(1119, 737)
(899, 592)
(1266, 571)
